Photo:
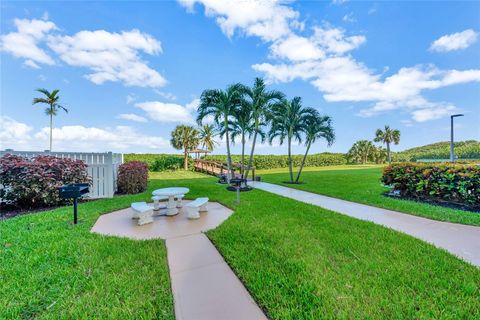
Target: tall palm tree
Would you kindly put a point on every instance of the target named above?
(221, 104)
(207, 134)
(361, 151)
(387, 136)
(242, 126)
(288, 121)
(52, 100)
(185, 138)
(261, 101)
(316, 127)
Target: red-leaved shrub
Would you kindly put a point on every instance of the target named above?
(458, 183)
(32, 183)
(132, 177)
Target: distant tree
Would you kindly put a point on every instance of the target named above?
(207, 135)
(361, 151)
(261, 101)
(379, 155)
(289, 121)
(185, 138)
(221, 105)
(316, 127)
(52, 100)
(387, 136)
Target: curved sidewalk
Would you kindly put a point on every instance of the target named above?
(460, 240)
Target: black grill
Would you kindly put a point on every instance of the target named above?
(73, 191)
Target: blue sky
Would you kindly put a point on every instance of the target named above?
(130, 71)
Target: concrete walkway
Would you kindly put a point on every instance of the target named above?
(460, 240)
(203, 285)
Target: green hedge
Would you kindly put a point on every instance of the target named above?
(158, 162)
(469, 149)
(281, 161)
(459, 183)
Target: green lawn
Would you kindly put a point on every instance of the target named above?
(298, 261)
(362, 184)
(51, 269)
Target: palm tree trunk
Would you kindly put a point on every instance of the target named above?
(185, 159)
(388, 153)
(229, 158)
(290, 158)
(303, 162)
(250, 160)
(242, 168)
(51, 127)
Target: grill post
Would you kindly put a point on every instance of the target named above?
(75, 211)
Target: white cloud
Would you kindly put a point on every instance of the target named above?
(334, 41)
(455, 41)
(17, 136)
(296, 48)
(24, 42)
(349, 17)
(13, 133)
(132, 117)
(345, 79)
(97, 139)
(130, 98)
(439, 111)
(169, 112)
(166, 95)
(269, 20)
(111, 56)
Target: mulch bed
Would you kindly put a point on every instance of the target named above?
(437, 202)
(10, 211)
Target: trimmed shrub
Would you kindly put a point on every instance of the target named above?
(281, 161)
(457, 183)
(32, 183)
(132, 177)
(158, 162)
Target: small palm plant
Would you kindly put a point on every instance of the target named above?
(52, 100)
(221, 104)
(387, 136)
(316, 127)
(261, 101)
(289, 121)
(185, 138)
(207, 134)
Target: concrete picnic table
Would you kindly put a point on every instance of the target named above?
(172, 193)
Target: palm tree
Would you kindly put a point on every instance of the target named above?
(221, 105)
(317, 127)
(184, 138)
(361, 151)
(261, 101)
(379, 155)
(387, 136)
(51, 98)
(240, 126)
(207, 134)
(288, 121)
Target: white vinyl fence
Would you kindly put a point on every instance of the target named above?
(102, 168)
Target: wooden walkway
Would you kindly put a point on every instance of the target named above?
(217, 168)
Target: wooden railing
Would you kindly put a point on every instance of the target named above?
(218, 168)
